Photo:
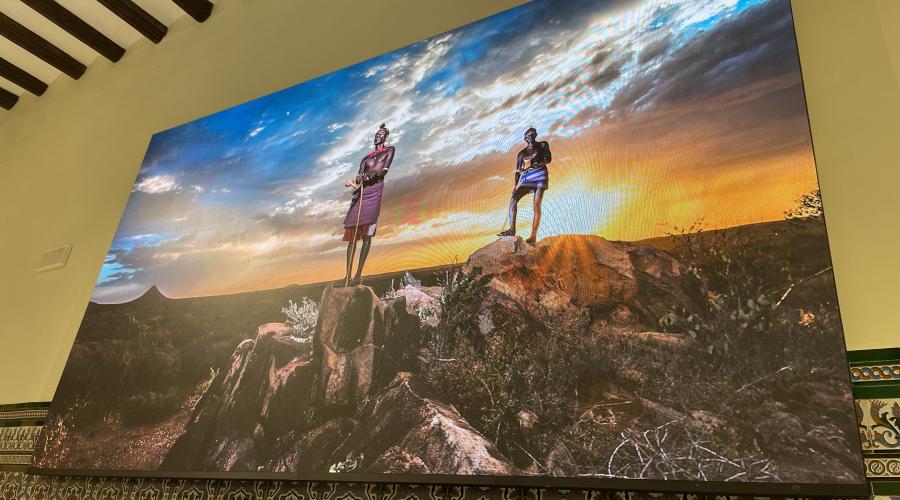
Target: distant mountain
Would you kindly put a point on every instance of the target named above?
(152, 296)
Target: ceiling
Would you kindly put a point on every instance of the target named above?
(41, 40)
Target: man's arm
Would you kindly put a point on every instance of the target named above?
(547, 156)
(520, 161)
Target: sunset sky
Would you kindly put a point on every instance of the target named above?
(658, 113)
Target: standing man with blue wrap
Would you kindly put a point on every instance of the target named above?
(531, 176)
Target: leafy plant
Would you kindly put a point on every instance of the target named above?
(749, 322)
(458, 312)
(302, 317)
(808, 206)
(203, 385)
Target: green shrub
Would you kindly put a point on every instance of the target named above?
(761, 288)
(458, 313)
(518, 385)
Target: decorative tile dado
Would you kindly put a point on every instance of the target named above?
(21, 486)
(20, 425)
(18, 439)
(879, 424)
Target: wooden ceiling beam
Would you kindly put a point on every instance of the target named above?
(74, 26)
(49, 53)
(21, 77)
(7, 99)
(138, 18)
(198, 9)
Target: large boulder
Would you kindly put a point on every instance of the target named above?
(312, 451)
(263, 392)
(615, 281)
(406, 430)
(360, 343)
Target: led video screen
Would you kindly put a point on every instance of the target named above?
(578, 243)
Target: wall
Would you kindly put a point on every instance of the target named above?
(68, 159)
(850, 58)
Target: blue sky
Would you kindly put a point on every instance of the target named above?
(252, 197)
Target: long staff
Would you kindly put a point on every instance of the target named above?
(355, 231)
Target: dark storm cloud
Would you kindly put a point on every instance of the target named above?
(513, 35)
(756, 45)
(600, 57)
(609, 74)
(564, 87)
(655, 49)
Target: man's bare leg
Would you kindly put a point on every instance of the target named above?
(350, 254)
(536, 222)
(363, 253)
(513, 209)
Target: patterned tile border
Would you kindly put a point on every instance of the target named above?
(24, 415)
(19, 439)
(862, 374)
(20, 425)
(20, 486)
(881, 468)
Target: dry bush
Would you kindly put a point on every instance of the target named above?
(673, 451)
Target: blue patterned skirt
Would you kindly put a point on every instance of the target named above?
(537, 178)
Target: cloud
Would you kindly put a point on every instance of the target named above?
(609, 74)
(655, 49)
(157, 184)
(626, 92)
(756, 45)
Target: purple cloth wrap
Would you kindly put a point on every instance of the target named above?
(371, 207)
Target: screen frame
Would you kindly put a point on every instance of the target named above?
(832, 490)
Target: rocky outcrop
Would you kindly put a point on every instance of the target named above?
(344, 402)
(349, 400)
(615, 282)
(405, 429)
(263, 392)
